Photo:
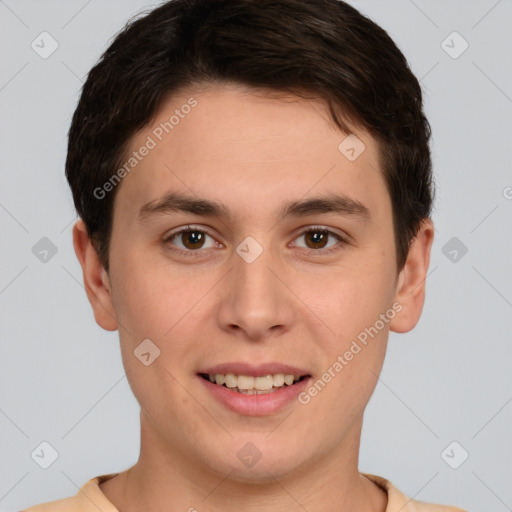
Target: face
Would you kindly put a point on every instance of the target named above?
(250, 247)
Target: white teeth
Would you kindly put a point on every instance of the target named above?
(278, 380)
(230, 380)
(263, 383)
(250, 385)
(244, 382)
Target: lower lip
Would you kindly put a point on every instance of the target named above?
(255, 405)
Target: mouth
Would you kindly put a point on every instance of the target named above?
(254, 390)
(254, 385)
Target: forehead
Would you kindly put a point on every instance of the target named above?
(251, 148)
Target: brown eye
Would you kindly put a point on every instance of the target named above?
(319, 240)
(191, 239)
(316, 239)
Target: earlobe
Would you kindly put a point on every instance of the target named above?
(410, 293)
(96, 280)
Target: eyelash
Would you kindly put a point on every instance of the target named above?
(309, 252)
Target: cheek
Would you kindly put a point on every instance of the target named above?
(148, 297)
(352, 357)
(353, 354)
(352, 299)
(160, 304)
(140, 305)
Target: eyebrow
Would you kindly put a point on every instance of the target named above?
(179, 202)
(332, 203)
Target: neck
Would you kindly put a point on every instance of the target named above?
(169, 480)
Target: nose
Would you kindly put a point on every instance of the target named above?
(255, 302)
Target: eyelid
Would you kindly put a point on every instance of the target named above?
(318, 227)
(188, 227)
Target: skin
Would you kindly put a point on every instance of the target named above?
(252, 152)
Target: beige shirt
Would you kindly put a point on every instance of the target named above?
(90, 499)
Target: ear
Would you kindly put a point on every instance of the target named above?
(410, 291)
(96, 280)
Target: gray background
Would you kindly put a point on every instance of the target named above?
(62, 379)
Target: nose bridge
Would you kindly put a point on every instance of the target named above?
(254, 282)
(255, 300)
(252, 267)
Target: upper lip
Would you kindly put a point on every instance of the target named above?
(254, 370)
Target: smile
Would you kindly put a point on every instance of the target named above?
(251, 385)
(254, 390)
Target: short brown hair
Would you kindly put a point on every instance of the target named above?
(312, 48)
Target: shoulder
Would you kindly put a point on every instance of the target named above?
(89, 498)
(399, 501)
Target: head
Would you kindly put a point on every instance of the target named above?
(260, 119)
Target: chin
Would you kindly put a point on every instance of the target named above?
(256, 459)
